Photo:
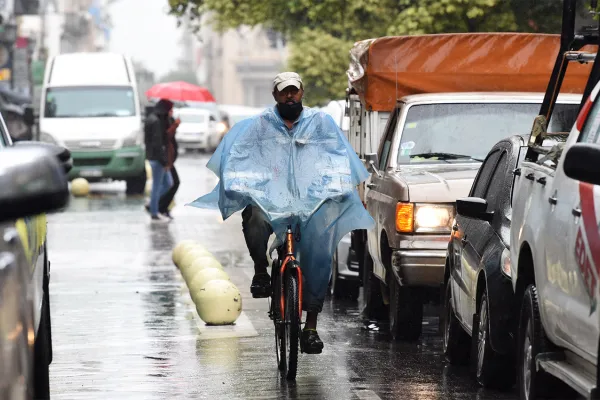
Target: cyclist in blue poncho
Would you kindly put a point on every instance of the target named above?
(290, 164)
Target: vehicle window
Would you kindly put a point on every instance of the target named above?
(191, 118)
(494, 192)
(386, 144)
(591, 128)
(443, 133)
(89, 102)
(484, 175)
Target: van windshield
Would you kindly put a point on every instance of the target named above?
(89, 102)
(443, 133)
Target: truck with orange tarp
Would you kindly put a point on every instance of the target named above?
(424, 112)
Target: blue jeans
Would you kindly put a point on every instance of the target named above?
(161, 182)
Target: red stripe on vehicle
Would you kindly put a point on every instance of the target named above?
(590, 223)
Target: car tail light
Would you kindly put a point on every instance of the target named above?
(404, 217)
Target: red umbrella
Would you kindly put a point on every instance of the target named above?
(180, 91)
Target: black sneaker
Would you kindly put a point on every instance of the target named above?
(310, 342)
(261, 285)
(167, 214)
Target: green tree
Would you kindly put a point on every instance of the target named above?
(321, 32)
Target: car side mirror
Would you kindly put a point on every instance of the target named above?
(474, 207)
(32, 181)
(62, 154)
(581, 163)
(29, 116)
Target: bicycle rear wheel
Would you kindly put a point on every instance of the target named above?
(292, 323)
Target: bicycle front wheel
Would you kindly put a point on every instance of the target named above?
(292, 322)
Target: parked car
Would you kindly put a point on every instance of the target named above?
(431, 150)
(24, 264)
(478, 310)
(345, 278)
(198, 129)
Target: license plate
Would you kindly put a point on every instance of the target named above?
(91, 173)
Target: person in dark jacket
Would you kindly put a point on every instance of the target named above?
(172, 150)
(155, 134)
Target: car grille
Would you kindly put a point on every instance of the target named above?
(90, 144)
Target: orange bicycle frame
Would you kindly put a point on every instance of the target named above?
(289, 257)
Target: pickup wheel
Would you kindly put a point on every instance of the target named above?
(492, 369)
(533, 383)
(406, 311)
(374, 309)
(456, 342)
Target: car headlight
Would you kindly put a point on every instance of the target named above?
(505, 263)
(47, 138)
(424, 218)
(221, 127)
(134, 139)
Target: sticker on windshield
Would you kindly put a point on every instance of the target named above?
(411, 125)
(406, 148)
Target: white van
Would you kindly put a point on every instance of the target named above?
(90, 105)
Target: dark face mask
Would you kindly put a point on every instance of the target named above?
(291, 112)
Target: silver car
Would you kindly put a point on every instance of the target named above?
(345, 277)
(33, 182)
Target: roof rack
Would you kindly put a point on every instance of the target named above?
(570, 51)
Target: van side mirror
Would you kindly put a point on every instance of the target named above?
(581, 163)
(29, 116)
(474, 207)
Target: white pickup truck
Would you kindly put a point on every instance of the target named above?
(555, 257)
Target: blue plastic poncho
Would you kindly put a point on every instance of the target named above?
(306, 175)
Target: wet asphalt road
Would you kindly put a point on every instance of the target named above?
(123, 326)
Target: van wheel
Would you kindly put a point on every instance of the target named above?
(41, 355)
(136, 185)
(406, 311)
(456, 342)
(374, 309)
(492, 370)
(531, 382)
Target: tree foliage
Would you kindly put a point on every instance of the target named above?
(321, 32)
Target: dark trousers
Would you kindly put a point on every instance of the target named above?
(165, 199)
(257, 231)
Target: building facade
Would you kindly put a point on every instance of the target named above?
(238, 66)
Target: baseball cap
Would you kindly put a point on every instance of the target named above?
(286, 79)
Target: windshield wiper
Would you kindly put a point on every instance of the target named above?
(445, 156)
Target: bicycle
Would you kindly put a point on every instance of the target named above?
(285, 308)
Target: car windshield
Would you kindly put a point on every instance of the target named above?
(192, 118)
(447, 133)
(89, 102)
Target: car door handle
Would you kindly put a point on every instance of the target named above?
(371, 185)
(576, 212)
(530, 176)
(552, 200)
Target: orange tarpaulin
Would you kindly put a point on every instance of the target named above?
(385, 69)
